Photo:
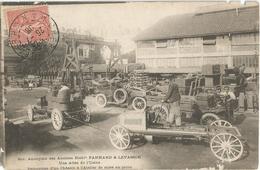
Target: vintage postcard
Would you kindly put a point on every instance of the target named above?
(129, 85)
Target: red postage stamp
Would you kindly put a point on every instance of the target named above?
(28, 25)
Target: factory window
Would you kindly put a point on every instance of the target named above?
(171, 43)
(188, 42)
(249, 61)
(161, 43)
(83, 51)
(209, 40)
(145, 44)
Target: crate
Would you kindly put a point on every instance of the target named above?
(211, 69)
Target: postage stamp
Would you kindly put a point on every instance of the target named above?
(30, 30)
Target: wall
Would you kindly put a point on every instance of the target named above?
(195, 52)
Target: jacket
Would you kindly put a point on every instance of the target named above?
(173, 94)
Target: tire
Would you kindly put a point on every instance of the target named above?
(226, 147)
(85, 115)
(139, 104)
(208, 118)
(120, 96)
(57, 119)
(30, 113)
(119, 137)
(221, 123)
(101, 100)
(161, 113)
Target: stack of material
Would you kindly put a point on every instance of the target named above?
(209, 69)
(186, 103)
(213, 69)
(212, 74)
(230, 79)
(184, 84)
(139, 79)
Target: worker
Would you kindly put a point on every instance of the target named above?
(64, 94)
(242, 69)
(173, 97)
(229, 103)
(30, 85)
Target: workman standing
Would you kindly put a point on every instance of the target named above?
(64, 94)
(229, 103)
(173, 97)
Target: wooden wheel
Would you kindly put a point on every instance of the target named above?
(226, 147)
(161, 113)
(57, 119)
(30, 112)
(208, 118)
(120, 95)
(101, 100)
(119, 137)
(221, 123)
(85, 114)
(139, 103)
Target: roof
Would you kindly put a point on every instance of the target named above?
(203, 24)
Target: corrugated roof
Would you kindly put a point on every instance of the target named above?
(202, 24)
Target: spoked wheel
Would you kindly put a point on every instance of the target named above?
(226, 147)
(139, 103)
(221, 123)
(119, 137)
(57, 119)
(30, 113)
(85, 114)
(101, 100)
(120, 95)
(161, 113)
(208, 118)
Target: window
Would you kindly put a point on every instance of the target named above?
(209, 40)
(188, 42)
(83, 51)
(249, 61)
(80, 52)
(145, 44)
(171, 43)
(161, 44)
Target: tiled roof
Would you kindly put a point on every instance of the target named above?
(203, 24)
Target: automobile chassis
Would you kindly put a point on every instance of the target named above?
(225, 140)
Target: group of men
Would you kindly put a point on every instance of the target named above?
(173, 97)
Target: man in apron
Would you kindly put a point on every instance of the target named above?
(173, 97)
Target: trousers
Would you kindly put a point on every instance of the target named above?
(175, 113)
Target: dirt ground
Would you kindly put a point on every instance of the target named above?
(39, 137)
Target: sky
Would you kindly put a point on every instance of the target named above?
(121, 21)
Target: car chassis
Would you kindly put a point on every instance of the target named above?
(59, 114)
(225, 140)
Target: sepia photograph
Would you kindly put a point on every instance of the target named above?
(130, 85)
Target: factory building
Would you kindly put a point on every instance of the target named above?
(183, 43)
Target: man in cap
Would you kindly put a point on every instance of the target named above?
(173, 97)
